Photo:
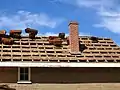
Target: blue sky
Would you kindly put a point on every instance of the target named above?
(96, 17)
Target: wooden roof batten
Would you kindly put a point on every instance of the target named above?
(54, 51)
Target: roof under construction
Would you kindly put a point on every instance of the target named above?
(39, 49)
(53, 49)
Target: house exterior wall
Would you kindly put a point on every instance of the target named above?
(8, 75)
(75, 75)
(65, 79)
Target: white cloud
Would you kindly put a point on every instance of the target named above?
(23, 19)
(84, 34)
(66, 34)
(108, 12)
(96, 4)
(110, 21)
(43, 34)
(88, 3)
(49, 34)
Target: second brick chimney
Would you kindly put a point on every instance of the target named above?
(74, 37)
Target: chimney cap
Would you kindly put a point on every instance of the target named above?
(73, 23)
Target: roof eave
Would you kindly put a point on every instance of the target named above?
(39, 64)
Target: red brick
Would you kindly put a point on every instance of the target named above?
(74, 37)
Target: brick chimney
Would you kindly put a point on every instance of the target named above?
(74, 37)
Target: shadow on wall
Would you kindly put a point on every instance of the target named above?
(75, 75)
(8, 75)
(64, 75)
